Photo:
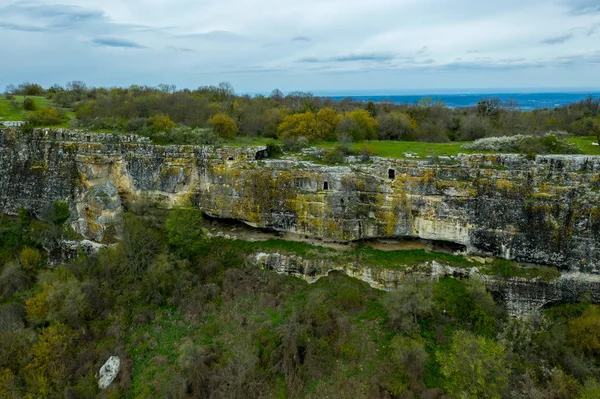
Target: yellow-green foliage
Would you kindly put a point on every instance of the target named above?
(30, 259)
(45, 117)
(327, 121)
(224, 125)
(37, 306)
(584, 331)
(299, 125)
(428, 176)
(161, 123)
(7, 388)
(47, 364)
(362, 126)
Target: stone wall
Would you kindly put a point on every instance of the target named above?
(545, 210)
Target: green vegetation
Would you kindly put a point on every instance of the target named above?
(165, 115)
(189, 319)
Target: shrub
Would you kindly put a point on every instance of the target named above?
(584, 331)
(336, 155)
(295, 143)
(12, 279)
(29, 104)
(186, 136)
(45, 117)
(161, 123)
(31, 259)
(274, 149)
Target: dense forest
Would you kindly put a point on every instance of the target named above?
(189, 319)
(212, 114)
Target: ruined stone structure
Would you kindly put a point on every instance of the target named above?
(544, 210)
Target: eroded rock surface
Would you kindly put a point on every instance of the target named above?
(545, 210)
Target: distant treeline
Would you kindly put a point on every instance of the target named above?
(158, 110)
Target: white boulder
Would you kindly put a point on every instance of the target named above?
(109, 372)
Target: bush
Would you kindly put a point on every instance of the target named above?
(274, 149)
(186, 136)
(47, 116)
(336, 155)
(295, 143)
(31, 259)
(12, 279)
(29, 104)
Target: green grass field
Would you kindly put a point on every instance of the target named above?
(8, 112)
(12, 109)
(398, 149)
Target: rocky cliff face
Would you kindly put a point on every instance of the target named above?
(522, 296)
(545, 210)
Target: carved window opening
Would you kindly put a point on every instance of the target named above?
(325, 186)
(392, 174)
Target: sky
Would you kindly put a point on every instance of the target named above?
(322, 46)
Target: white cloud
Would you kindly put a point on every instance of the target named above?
(319, 45)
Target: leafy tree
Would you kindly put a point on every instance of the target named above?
(224, 125)
(184, 230)
(410, 301)
(584, 331)
(161, 123)
(475, 367)
(359, 125)
(411, 358)
(299, 125)
(49, 359)
(327, 121)
(140, 244)
(595, 129)
(31, 259)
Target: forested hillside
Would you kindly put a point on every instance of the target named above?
(189, 319)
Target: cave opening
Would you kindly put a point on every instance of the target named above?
(392, 174)
(325, 186)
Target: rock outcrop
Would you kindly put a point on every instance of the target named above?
(108, 372)
(544, 210)
(522, 296)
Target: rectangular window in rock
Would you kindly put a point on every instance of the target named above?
(392, 174)
(326, 186)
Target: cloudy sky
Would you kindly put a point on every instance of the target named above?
(324, 46)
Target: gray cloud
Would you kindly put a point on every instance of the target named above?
(51, 17)
(211, 35)
(116, 42)
(558, 39)
(23, 28)
(583, 6)
(301, 39)
(422, 51)
(369, 57)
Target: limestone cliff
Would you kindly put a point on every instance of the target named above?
(545, 210)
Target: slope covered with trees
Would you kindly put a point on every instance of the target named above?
(189, 320)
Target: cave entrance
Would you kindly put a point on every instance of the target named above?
(392, 174)
(325, 186)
